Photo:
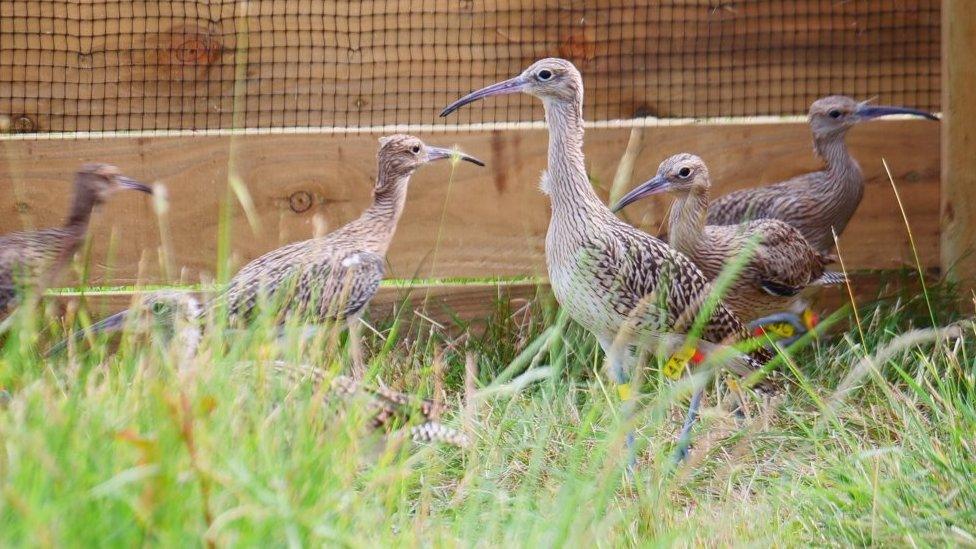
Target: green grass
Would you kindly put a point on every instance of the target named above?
(117, 448)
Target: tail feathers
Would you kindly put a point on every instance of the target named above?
(435, 432)
(831, 278)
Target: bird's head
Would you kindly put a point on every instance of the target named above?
(835, 114)
(165, 316)
(551, 80)
(101, 181)
(399, 155)
(679, 174)
(162, 314)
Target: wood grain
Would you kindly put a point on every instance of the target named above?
(174, 64)
(959, 145)
(474, 222)
(457, 306)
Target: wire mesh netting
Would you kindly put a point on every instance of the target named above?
(104, 65)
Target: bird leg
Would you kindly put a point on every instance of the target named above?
(619, 363)
(684, 438)
(787, 327)
(356, 349)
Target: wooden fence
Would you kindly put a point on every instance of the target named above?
(465, 222)
(213, 64)
(105, 65)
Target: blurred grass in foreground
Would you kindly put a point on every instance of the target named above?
(120, 449)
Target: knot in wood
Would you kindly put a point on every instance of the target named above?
(192, 47)
(300, 201)
(23, 124)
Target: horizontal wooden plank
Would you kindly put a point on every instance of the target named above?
(175, 64)
(472, 306)
(465, 222)
(450, 306)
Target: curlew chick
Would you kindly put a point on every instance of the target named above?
(334, 277)
(33, 260)
(779, 262)
(818, 204)
(631, 290)
(171, 317)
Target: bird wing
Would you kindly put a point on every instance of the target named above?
(785, 261)
(307, 278)
(25, 255)
(24, 258)
(344, 286)
(778, 201)
(670, 283)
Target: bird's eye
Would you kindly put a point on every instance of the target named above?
(158, 307)
(683, 173)
(834, 113)
(415, 149)
(544, 74)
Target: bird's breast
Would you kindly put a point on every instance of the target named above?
(577, 286)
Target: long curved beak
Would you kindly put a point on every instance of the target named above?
(867, 112)
(658, 184)
(132, 184)
(439, 153)
(110, 324)
(512, 85)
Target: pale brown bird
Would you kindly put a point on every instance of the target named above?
(614, 280)
(629, 289)
(778, 263)
(31, 261)
(333, 278)
(818, 204)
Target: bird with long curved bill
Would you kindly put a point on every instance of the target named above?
(819, 204)
(634, 292)
(31, 261)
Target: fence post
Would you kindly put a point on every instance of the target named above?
(958, 196)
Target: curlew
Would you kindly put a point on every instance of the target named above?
(631, 290)
(333, 278)
(819, 204)
(777, 262)
(32, 261)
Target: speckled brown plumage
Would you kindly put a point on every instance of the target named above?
(33, 260)
(613, 279)
(388, 409)
(333, 277)
(778, 262)
(818, 203)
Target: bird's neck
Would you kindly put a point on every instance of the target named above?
(379, 221)
(80, 214)
(566, 183)
(189, 338)
(687, 221)
(843, 172)
(75, 228)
